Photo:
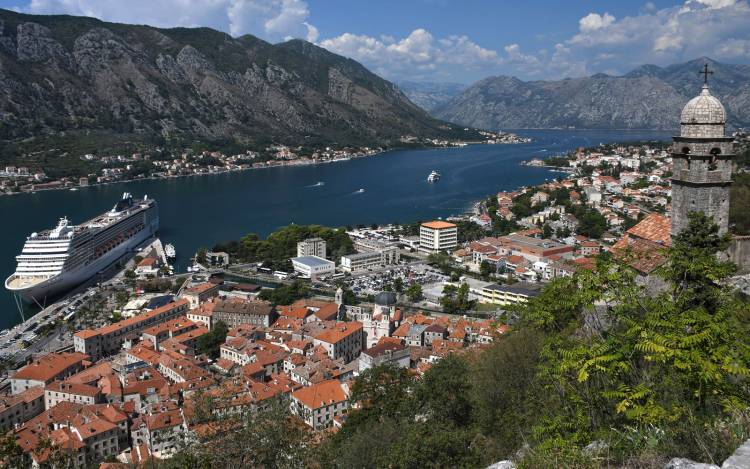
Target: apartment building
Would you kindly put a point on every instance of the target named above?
(319, 404)
(344, 340)
(312, 247)
(437, 236)
(46, 369)
(109, 339)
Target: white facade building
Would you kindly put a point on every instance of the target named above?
(312, 247)
(313, 266)
(436, 236)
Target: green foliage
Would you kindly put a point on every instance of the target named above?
(739, 201)
(442, 261)
(281, 245)
(469, 231)
(486, 269)
(591, 222)
(455, 300)
(398, 285)
(210, 344)
(11, 455)
(200, 255)
(285, 294)
(265, 438)
(414, 292)
(621, 357)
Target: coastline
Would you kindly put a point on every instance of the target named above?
(292, 163)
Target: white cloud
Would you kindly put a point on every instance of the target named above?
(594, 21)
(418, 55)
(602, 42)
(273, 20)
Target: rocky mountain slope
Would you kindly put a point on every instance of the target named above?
(64, 75)
(647, 97)
(430, 95)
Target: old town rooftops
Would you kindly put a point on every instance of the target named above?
(321, 394)
(46, 368)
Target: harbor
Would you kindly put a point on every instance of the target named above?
(199, 212)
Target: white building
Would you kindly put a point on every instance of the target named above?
(369, 260)
(319, 404)
(312, 247)
(392, 353)
(313, 266)
(436, 236)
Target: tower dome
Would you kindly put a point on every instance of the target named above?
(703, 109)
(703, 116)
(385, 298)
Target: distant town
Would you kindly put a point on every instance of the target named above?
(159, 164)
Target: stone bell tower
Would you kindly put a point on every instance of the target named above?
(702, 162)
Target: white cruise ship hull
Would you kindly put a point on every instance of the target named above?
(42, 289)
(58, 285)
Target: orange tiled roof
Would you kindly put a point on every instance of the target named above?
(49, 366)
(339, 332)
(654, 228)
(643, 255)
(321, 394)
(438, 225)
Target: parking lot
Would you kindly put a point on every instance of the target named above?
(371, 283)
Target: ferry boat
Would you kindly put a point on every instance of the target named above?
(169, 251)
(433, 177)
(53, 262)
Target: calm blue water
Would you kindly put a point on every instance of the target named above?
(201, 211)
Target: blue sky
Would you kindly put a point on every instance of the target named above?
(461, 40)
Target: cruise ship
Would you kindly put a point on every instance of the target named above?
(55, 261)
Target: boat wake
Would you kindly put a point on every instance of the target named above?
(361, 191)
(317, 184)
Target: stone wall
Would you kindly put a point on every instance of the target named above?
(739, 252)
(711, 200)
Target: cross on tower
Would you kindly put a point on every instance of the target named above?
(706, 72)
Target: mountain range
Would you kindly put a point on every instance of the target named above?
(430, 95)
(64, 75)
(649, 97)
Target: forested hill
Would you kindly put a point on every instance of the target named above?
(127, 82)
(649, 97)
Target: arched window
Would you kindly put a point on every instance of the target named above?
(685, 150)
(713, 164)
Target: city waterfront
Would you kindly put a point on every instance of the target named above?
(391, 187)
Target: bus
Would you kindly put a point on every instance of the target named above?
(280, 275)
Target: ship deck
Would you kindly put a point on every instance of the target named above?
(20, 283)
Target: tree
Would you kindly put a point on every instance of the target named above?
(486, 269)
(398, 285)
(675, 359)
(456, 299)
(547, 231)
(285, 294)
(444, 393)
(200, 256)
(414, 292)
(11, 455)
(441, 261)
(210, 344)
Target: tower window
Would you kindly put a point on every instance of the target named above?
(712, 163)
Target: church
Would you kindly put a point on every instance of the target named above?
(701, 178)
